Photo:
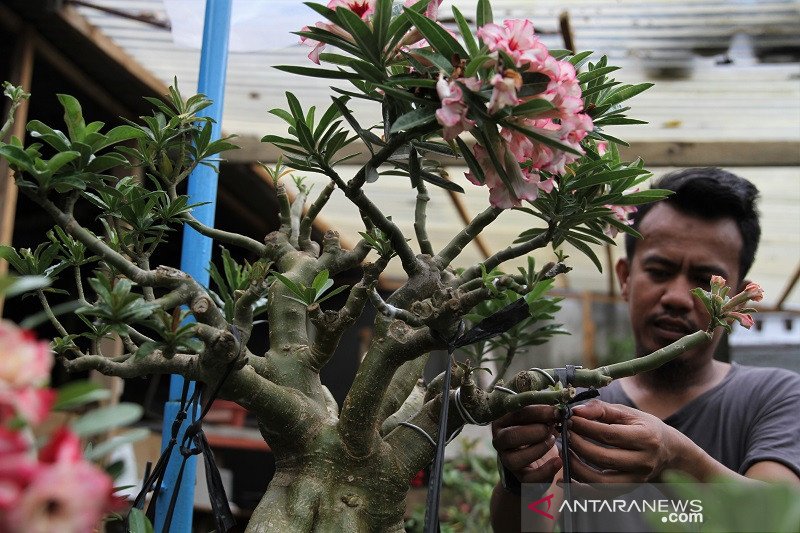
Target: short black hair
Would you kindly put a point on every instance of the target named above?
(709, 193)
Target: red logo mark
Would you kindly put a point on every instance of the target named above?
(534, 506)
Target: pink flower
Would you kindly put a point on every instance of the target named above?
(602, 147)
(61, 493)
(69, 497)
(64, 445)
(505, 90)
(29, 403)
(453, 113)
(621, 213)
(525, 187)
(754, 292)
(24, 361)
(516, 39)
(743, 318)
(362, 8)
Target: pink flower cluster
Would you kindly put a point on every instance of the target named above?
(566, 123)
(735, 308)
(56, 490)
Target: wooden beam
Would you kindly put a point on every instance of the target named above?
(654, 153)
(788, 289)
(21, 75)
(78, 22)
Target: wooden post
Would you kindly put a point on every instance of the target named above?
(21, 75)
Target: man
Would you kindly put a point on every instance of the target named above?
(695, 414)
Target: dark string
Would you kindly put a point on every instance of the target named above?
(194, 442)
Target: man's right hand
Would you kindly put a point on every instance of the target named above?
(525, 442)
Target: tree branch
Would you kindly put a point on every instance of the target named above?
(420, 216)
(234, 239)
(465, 236)
(308, 220)
(506, 254)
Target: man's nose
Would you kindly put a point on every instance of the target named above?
(677, 295)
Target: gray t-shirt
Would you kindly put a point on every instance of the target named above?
(752, 415)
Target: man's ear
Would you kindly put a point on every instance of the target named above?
(623, 272)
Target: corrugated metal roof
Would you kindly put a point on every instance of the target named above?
(713, 97)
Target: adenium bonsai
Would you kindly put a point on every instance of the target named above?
(529, 124)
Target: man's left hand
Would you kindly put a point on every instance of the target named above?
(629, 446)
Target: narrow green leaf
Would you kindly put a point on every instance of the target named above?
(466, 32)
(320, 280)
(542, 138)
(532, 107)
(472, 163)
(380, 23)
(606, 177)
(583, 247)
(361, 33)
(319, 72)
(625, 92)
(483, 15)
(437, 37)
(413, 119)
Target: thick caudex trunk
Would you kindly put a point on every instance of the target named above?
(325, 489)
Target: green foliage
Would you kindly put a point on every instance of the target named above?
(318, 292)
(79, 393)
(379, 241)
(138, 522)
(234, 279)
(43, 261)
(535, 330)
(732, 505)
(117, 307)
(175, 331)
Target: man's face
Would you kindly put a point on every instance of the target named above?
(677, 253)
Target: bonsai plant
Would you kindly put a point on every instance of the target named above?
(529, 124)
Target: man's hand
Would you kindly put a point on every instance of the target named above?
(525, 443)
(630, 446)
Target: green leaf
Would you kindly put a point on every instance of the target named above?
(361, 34)
(320, 280)
(583, 247)
(106, 418)
(643, 197)
(469, 158)
(109, 445)
(380, 23)
(319, 72)
(138, 522)
(61, 159)
(79, 393)
(333, 293)
(17, 157)
(466, 33)
(54, 138)
(606, 177)
(14, 286)
(625, 92)
(483, 15)
(414, 119)
(298, 290)
(73, 117)
(532, 107)
(437, 37)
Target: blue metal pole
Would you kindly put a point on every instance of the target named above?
(195, 256)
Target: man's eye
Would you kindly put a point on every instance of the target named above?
(657, 273)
